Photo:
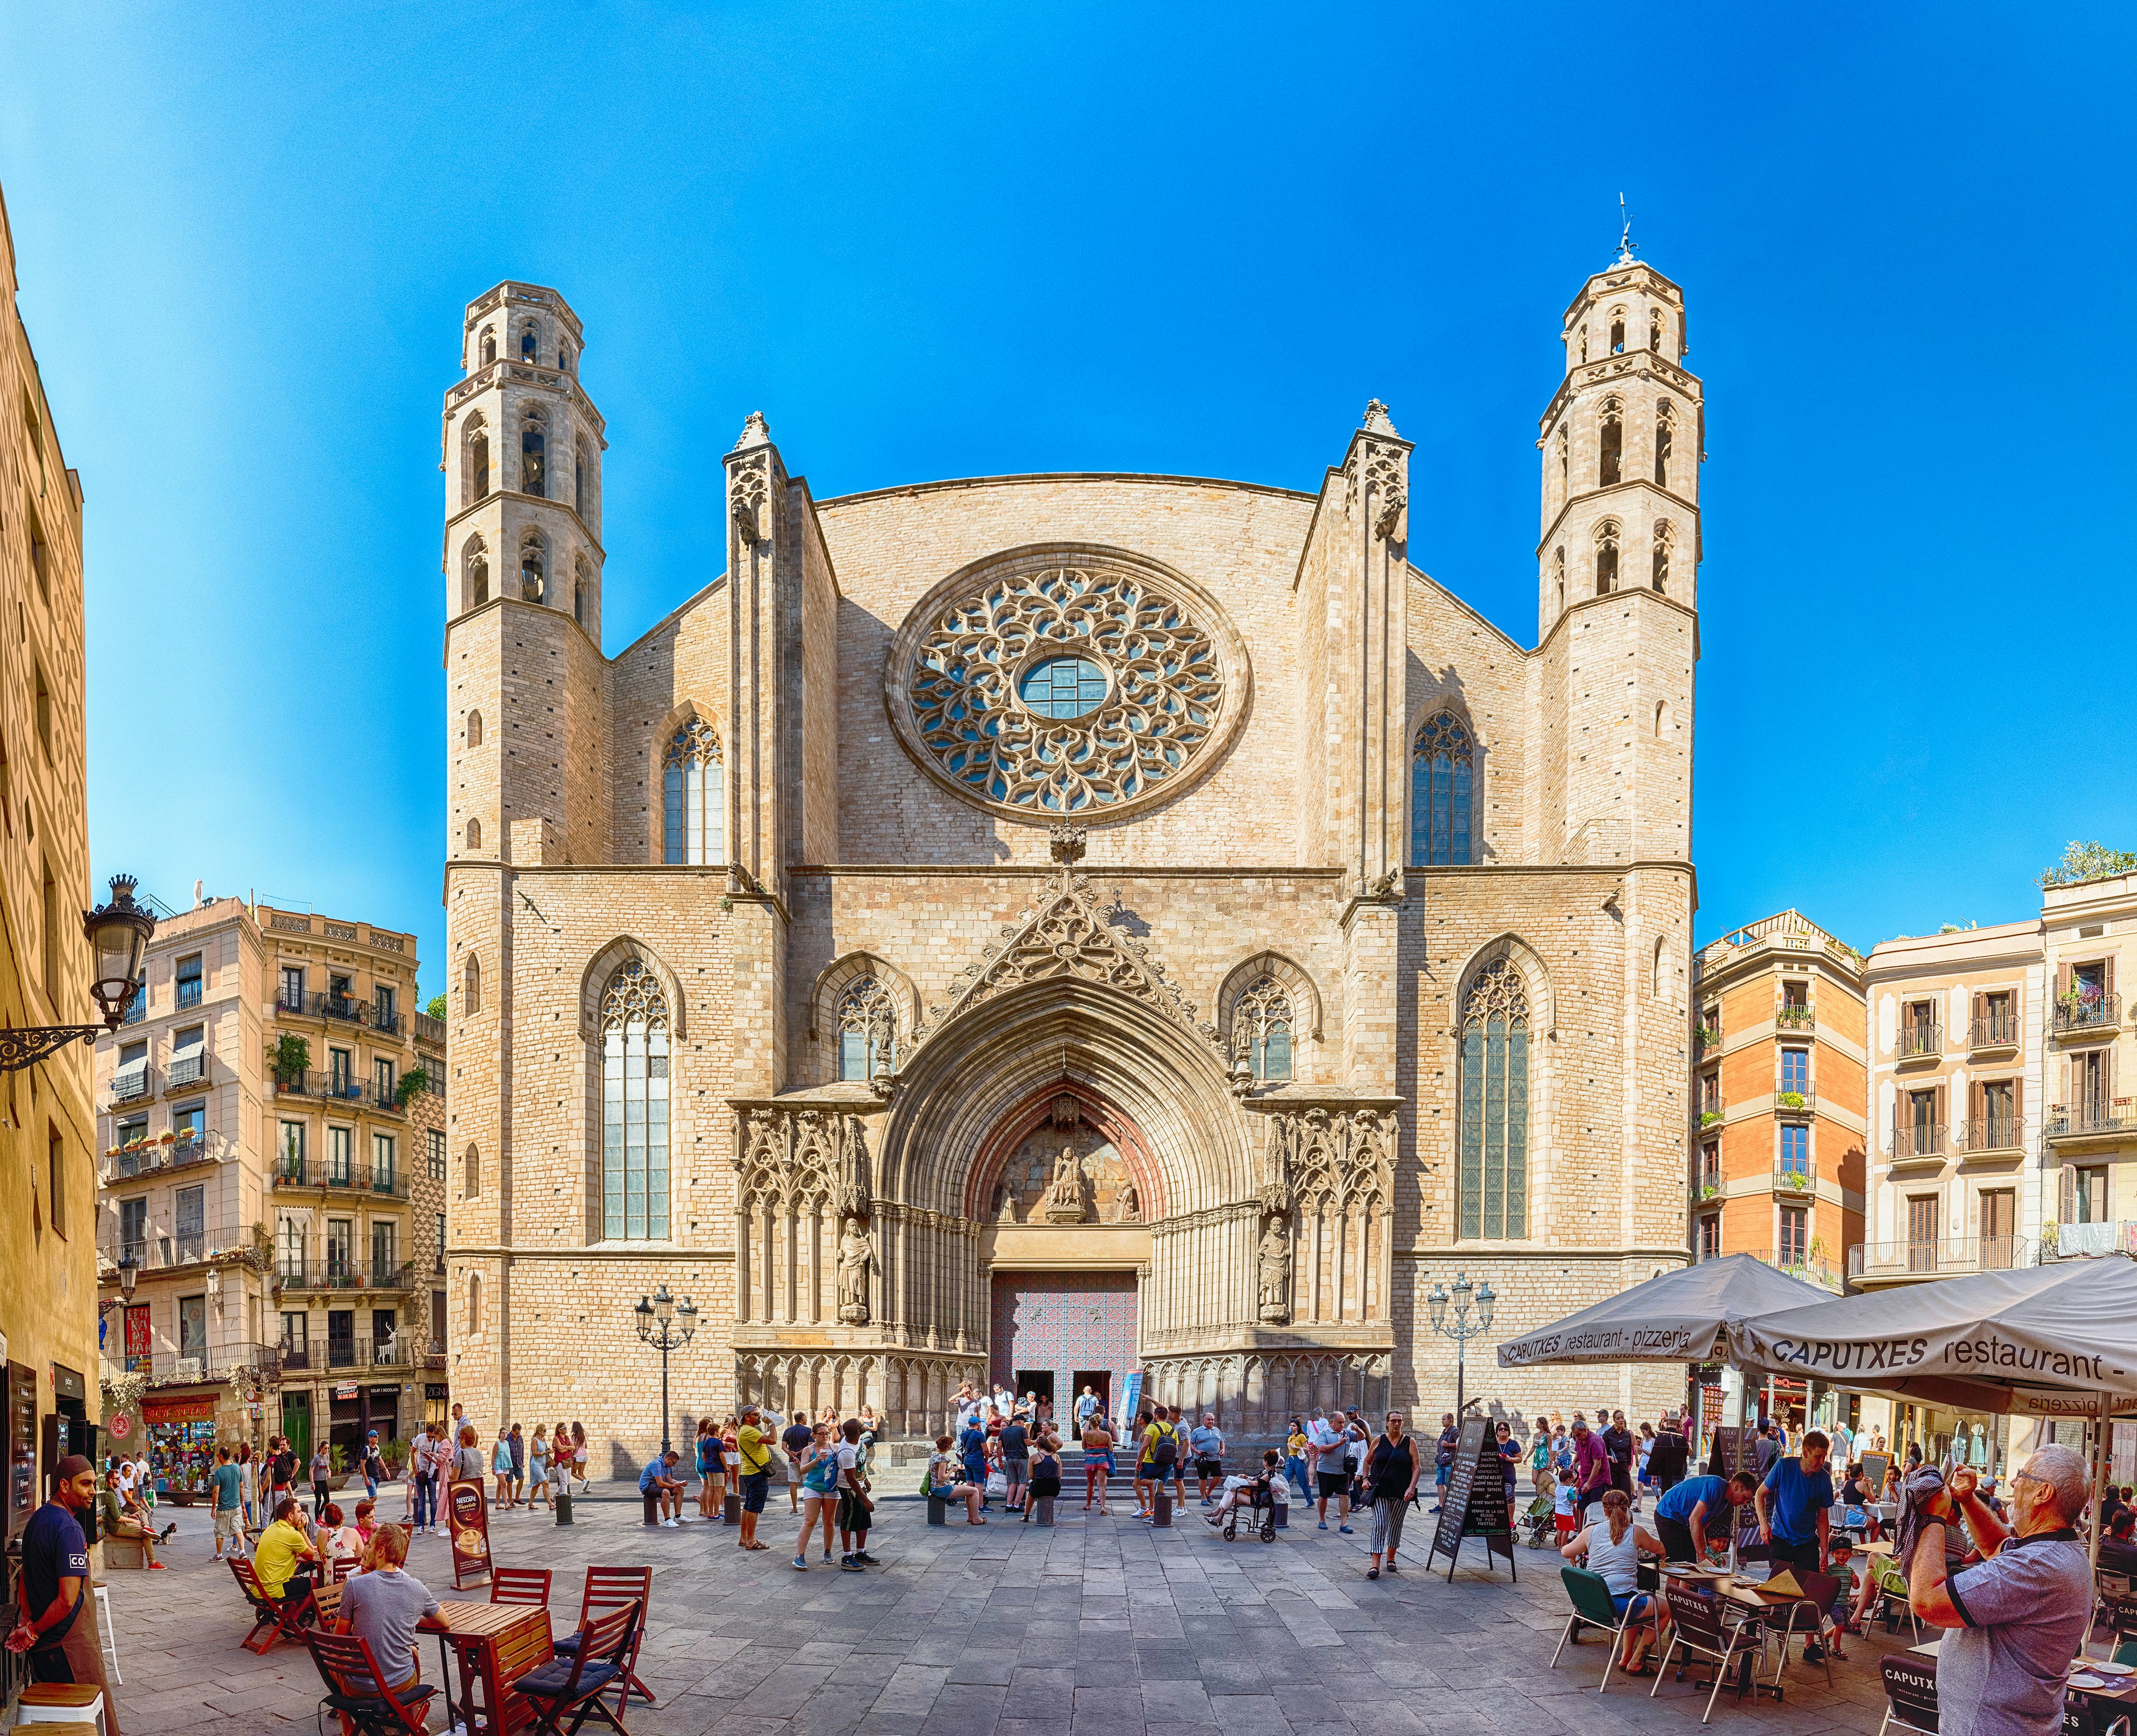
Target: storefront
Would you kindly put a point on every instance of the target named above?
(434, 1402)
(178, 1429)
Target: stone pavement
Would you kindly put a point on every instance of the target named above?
(1097, 1628)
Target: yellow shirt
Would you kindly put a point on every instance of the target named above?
(1295, 1445)
(275, 1558)
(750, 1440)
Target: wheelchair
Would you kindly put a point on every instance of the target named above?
(1261, 1514)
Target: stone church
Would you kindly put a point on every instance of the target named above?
(1054, 928)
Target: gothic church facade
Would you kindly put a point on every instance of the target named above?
(1059, 927)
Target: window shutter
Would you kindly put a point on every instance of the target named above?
(2063, 980)
(1980, 1003)
(2018, 1109)
(1977, 1106)
(2107, 1080)
(2068, 1214)
(2107, 976)
(1937, 1114)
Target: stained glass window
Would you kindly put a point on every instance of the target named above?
(1493, 1183)
(694, 794)
(1440, 795)
(635, 1106)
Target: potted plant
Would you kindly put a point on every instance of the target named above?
(1798, 1180)
(1791, 1100)
(1708, 1117)
(293, 1056)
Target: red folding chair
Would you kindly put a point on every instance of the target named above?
(520, 1585)
(574, 1683)
(344, 1661)
(273, 1618)
(609, 1588)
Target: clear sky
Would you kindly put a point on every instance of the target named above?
(933, 241)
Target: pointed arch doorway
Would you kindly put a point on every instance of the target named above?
(1066, 1183)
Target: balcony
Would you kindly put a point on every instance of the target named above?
(1808, 1271)
(1794, 1021)
(162, 1251)
(334, 1087)
(137, 1009)
(2084, 1241)
(342, 1009)
(194, 1362)
(337, 1354)
(188, 1067)
(323, 1175)
(133, 1084)
(2108, 1121)
(1999, 1031)
(1709, 1117)
(154, 1156)
(1871, 1262)
(1920, 1041)
(1796, 1181)
(1918, 1141)
(1995, 1135)
(1795, 1103)
(187, 994)
(334, 1276)
(2080, 1014)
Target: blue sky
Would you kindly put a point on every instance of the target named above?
(938, 240)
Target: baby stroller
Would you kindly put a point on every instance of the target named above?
(1261, 1514)
(1540, 1521)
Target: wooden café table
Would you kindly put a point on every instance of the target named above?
(497, 1643)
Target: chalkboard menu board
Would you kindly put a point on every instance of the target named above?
(1733, 1450)
(22, 1445)
(1474, 1502)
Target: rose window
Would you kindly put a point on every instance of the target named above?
(1066, 683)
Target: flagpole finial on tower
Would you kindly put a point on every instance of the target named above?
(1626, 249)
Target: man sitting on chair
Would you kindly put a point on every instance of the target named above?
(381, 1606)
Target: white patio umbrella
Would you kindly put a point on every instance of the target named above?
(1683, 1314)
(2052, 1340)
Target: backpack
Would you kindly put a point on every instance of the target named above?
(822, 1477)
(1164, 1449)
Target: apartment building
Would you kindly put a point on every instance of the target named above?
(273, 1186)
(1778, 1133)
(1956, 1095)
(2088, 1181)
(47, 1259)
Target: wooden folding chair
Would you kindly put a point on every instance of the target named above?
(520, 1585)
(1699, 1629)
(1910, 1695)
(1593, 1607)
(272, 1618)
(609, 1588)
(343, 1660)
(575, 1684)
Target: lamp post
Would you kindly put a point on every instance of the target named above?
(1461, 1328)
(118, 936)
(666, 1327)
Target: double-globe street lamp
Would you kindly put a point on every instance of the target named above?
(666, 1327)
(118, 936)
(1461, 1328)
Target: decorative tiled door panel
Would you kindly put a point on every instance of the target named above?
(1064, 1322)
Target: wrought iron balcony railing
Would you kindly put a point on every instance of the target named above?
(2081, 1012)
(1918, 1139)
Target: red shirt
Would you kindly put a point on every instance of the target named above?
(1591, 1462)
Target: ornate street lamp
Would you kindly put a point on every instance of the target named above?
(130, 1275)
(1461, 1328)
(118, 936)
(666, 1327)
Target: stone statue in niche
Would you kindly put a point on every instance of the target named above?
(854, 1257)
(1126, 1209)
(1064, 1198)
(1005, 1203)
(1274, 1259)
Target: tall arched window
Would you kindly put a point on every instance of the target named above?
(579, 469)
(1655, 330)
(1565, 463)
(532, 588)
(475, 834)
(579, 590)
(1663, 537)
(1261, 1029)
(470, 987)
(564, 356)
(634, 1106)
(1493, 1182)
(530, 348)
(533, 454)
(1616, 330)
(475, 1303)
(1440, 795)
(489, 345)
(1611, 464)
(475, 574)
(478, 461)
(867, 1029)
(1659, 982)
(1558, 573)
(1583, 343)
(1606, 558)
(694, 791)
(474, 729)
(1665, 437)
(471, 1181)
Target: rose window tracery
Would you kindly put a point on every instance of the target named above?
(1068, 683)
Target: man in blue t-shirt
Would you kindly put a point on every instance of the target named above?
(229, 1486)
(1795, 1507)
(1685, 1510)
(663, 1490)
(61, 1639)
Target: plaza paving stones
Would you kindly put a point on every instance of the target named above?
(1099, 1627)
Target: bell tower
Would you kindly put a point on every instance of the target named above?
(1622, 443)
(522, 456)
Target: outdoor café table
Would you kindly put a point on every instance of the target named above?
(474, 1631)
(1747, 1594)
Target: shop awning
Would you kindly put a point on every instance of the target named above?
(1681, 1315)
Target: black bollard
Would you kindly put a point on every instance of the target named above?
(564, 1508)
(938, 1511)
